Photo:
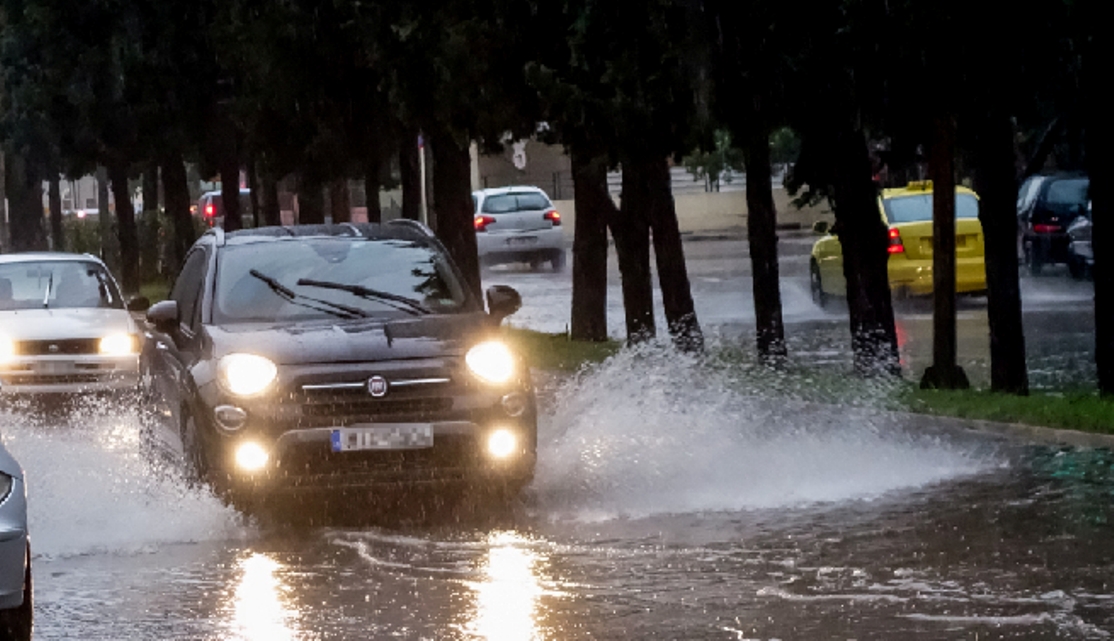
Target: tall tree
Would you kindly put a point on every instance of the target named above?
(594, 208)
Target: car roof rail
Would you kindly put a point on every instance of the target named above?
(217, 233)
(412, 224)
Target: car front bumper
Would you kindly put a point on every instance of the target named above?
(69, 374)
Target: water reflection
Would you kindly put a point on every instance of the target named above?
(507, 596)
(260, 611)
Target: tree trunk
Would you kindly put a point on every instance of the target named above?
(1099, 139)
(58, 241)
(125, 227)
(25, 198)
(110, 247)
(656, 194)
(864, 239)
(151, 188)
(631, 231)
(594, 208)
(176, 195)
(371, 187)
(340, 207)
(944, 372)
(995, 182)
(269, 199)
(762, 238)
(452, 193)
(409, 163)
(230, 194)
(253, 194)
(311, 201)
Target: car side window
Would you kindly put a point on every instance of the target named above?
(187, 288)
(1028, 193)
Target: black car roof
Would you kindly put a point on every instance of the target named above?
(395, 229)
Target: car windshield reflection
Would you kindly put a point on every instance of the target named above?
(57, 284)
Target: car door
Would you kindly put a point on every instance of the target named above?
(175, 352)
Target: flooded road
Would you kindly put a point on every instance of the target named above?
(672, 504)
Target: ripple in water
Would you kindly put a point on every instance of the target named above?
(651, 431)
(91, 491)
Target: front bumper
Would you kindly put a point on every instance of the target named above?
(75, 374)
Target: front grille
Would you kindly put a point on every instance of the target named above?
(60, 347)
(50, 379)
(376, 409)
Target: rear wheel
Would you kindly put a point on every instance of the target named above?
(816, 286)
(16, 623)
(1033, 259)
(558, 261)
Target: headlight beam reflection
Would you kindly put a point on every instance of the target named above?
(506, 597)
(259, 608)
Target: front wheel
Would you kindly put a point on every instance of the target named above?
(16, 623)
(816, 286)
(193, 448)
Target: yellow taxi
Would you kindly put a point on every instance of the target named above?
(907, 212)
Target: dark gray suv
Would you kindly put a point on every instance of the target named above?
(330, 358)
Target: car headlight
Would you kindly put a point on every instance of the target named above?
(246, 374)
(491, 361)
(7, 349)
(117, 345)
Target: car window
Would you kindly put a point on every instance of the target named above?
(57, 284)
(403, 269)
(187, 287)
(1068, 192)
(1028, 192)
(509, 203)
(909, 209)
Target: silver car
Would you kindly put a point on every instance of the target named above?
(518, 225)
(64, 326)
(15, 553)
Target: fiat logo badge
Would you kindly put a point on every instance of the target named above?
(53, 349)
(377, 386)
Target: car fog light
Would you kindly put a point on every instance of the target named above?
(251, 456)
(501, 443)
(230, 418)
(514, 404)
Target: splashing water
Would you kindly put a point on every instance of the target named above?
(651, 431)
(90, 490)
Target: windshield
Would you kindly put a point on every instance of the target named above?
(57, 284)
(400, 269)
(911, 209)
(1068, 192)
(509, 203)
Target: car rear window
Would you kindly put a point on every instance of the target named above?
(509, 203)
(57, 284)
(911, 209)
(1068, 192)
(402, 268)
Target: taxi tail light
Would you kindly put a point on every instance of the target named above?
(554, 217)
(481, 222)
(896, 246)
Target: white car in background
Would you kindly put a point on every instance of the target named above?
(518, 225)
(64, 326)
(15, 552)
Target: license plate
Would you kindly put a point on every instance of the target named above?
(522, 240)
(384, 437)
(54, 367)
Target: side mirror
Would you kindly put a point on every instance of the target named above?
(502, 301)
(164, 316)
(821, 227)
(137, 304)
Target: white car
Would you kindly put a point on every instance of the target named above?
(64, 327)
(15, 552)
(518, 225)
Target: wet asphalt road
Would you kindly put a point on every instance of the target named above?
(672, 504)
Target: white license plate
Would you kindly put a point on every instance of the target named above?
(53, 367)
(518, 241)
(383, 437)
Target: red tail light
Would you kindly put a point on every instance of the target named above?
(210, 211)
(1047, 229)
(554, 217)
(896, 246)
(481, 222)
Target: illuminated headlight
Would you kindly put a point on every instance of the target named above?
(251, 457)
(502, 443)
(7, 349)
(117, 345)
(246, 374)
(491, 361)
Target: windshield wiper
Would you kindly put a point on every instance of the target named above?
(336, 309)
(49, 286)
(407, 304)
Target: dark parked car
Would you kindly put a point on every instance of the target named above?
(333, 358)
(1081, 256)
(1046, 207)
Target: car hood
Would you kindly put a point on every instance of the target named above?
(354, 341)
(48, 324)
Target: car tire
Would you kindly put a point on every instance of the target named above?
(558, 261)
(1033, 262)
(16, 623)
(197, 464)
(816, 286)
